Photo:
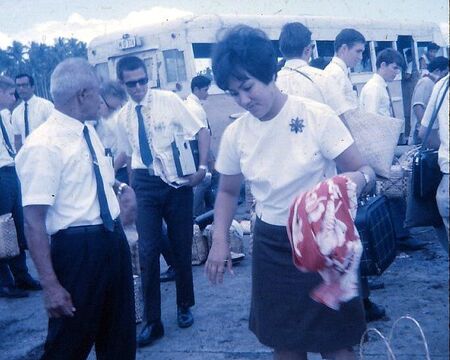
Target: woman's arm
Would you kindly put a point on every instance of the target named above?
(224, 209)
(351, 164)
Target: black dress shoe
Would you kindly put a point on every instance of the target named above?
(12, 292)
(168, 275)
(373, 311)
(28, 283)
(149, 333)
(184, 317)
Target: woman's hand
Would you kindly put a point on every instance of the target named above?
(219, 259)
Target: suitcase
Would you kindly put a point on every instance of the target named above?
(377, 235)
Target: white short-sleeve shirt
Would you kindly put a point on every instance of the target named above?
(55, 168)
(421, 96)
(284, 156)
(5, 157)
(39, 110)
(442, 121)
(299, 79)
(374, 97)
(338, 72)
(194, 105)
(164, 116)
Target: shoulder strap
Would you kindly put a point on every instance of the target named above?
(435, 113)
(301, 73)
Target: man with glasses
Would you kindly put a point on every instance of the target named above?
(147, 125)
(31, 112)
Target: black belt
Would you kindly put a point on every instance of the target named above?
(84, 229)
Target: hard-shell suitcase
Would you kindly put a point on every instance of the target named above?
(377, 235)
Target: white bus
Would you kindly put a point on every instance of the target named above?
(177, 50)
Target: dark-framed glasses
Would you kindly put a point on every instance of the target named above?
(132, 84)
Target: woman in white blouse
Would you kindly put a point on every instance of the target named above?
(282, 145)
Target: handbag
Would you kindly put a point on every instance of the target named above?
(421, 206)
(9, 247)
(377, 235)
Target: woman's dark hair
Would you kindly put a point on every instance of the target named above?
(243, 50)
(294, 38)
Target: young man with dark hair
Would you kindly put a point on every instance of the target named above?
(438, 68)
(427, 57)
(14, 275)
(298, 78)
(375, 96)
(31, 112)
(349, 47)
(147, 125)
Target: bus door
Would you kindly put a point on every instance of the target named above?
(151, 64)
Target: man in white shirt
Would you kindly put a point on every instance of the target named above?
(297, 78)
(31, 112)
(375, 95)
(147, 126)
(439, 138)
(14, 275)
(438, 68)
(427, 57)
(349, 46)
(67, 187)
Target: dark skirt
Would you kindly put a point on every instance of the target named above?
(283, 315)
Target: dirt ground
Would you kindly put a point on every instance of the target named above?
(416, 284)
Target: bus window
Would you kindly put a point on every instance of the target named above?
(175, 65)
(381, 45)
(365, 65)
(149, 65)
(202, 59)
(325, 49)
(102, 71)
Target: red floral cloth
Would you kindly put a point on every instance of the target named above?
(324, 239)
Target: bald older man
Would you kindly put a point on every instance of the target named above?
(67, 186)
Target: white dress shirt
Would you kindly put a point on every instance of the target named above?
(421, 96)
(194, 105)
(164, 116)
(39, 110)
(441, 123)
(338, 72)
(374, 97)
(55, 168)
(5, 157)
(299, 79)
(285, 155)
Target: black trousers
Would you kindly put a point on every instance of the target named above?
(157, 201)
(94, 266)
(10, 202)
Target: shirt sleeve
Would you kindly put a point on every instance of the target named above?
(228, 159)
(432, 104)
(39, 169)
(190, 124)
(333, 136)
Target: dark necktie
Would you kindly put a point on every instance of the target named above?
(391, 106)
(25, 119)
(108, 222)
(144, 147)
(9, 148)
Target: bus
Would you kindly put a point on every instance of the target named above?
(175, 51)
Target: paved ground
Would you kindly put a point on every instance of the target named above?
(416, 284)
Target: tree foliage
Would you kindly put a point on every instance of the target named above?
(39, 60)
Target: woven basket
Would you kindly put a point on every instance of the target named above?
(236, 238)
(395, 186)
(376, 137)
(200, 247)
(138, 299)
(9, 246)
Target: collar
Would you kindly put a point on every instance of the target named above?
(295, 63)
(194, 98)
(143, 102)
(30, 100)
(379, 79)
(339, 62)
(70, 124)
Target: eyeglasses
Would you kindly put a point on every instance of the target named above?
(132, 84)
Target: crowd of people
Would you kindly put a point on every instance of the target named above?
(69, 168)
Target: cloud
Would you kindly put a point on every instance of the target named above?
(86, 29)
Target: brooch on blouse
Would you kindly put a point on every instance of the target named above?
(297, 125)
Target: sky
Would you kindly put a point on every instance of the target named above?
(45, 20)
